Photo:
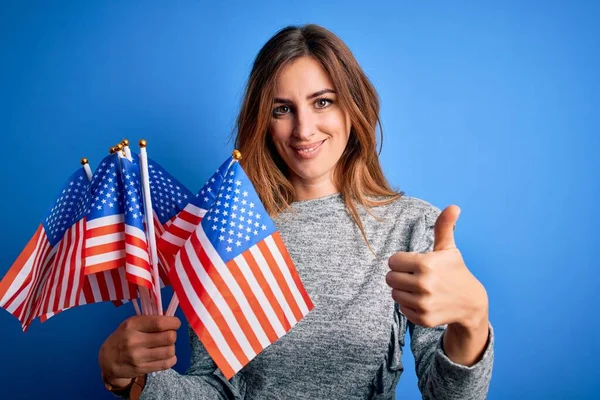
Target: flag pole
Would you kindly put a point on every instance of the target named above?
(237, 156)
(150, 222)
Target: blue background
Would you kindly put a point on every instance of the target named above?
(491, 107)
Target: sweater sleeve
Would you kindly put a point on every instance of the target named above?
(439, 377)
(203, 380)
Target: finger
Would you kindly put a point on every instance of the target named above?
(157, 339)
(154, 366)
(411, 314)
(405, 298)
(156, 323)
(155, 354)
(404, 262)
(444, 228)
(402, 281)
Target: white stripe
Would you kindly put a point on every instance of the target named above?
(175, 240)
(41, 272)
(104, 221)
(236, 290)
(264, 267)
(110, 285)
(212, 290)
(139, 272)
(49, 293)
(195, 211)
(104, 239)
(102, 258)
(25, 270)
(136, 232)
(137, 252)
(260, 295)
(207, 320)
(95, 288)
(270, 242)
(67, 264)
(184, 225)
(78, 266)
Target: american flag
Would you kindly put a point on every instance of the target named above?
(236, 282)
(105, 231)
(169, 197)
(184, 224)
(48, 273)
(137, 263)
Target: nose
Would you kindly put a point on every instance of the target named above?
(305, 126)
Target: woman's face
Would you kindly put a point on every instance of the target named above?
(309, 128)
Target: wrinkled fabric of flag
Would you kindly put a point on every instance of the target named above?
(48, 274)
(235, 280)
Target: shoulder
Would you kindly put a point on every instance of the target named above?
(409, 209)
(408, 222)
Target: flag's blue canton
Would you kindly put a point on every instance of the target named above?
(207, 195)
(134, 209)
(106, 189)
(237, 219)
(168, 195)
(69, 207)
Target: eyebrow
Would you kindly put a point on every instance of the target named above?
(311, 96)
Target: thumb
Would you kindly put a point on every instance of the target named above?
(444, 228)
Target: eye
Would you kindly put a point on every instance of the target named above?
(281, 110)
(323, 102)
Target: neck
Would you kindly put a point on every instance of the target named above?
(314, 188)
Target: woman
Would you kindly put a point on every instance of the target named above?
(307, 130)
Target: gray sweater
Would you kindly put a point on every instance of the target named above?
(350, 345)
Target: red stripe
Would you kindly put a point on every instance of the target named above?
(228, 296)
(266, 253)
(40, 274)
(105, 266)
(40, 245)
(198, 327)
(20, 262)
(292, 268)
(105, 230)
(104, 248)
(131, 240)
(76, 256)
(253, 301)
(268, 291)
(209, 304)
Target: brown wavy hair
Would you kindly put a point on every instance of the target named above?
(358, 174)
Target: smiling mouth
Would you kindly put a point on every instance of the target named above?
(309, 150)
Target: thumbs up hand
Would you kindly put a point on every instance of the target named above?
(437, 288)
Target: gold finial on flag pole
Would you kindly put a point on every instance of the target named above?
(143, 143)
(119, 147)
(237, 154)
(84, 161)
(112, 150)
(125, 142)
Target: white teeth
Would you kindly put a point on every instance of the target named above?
(309, 150)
